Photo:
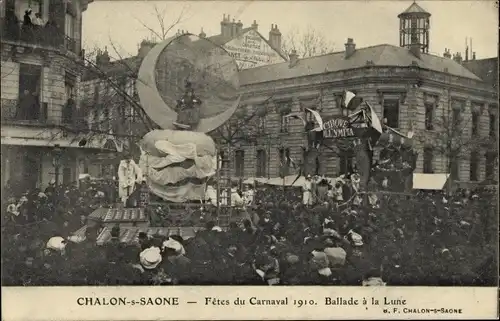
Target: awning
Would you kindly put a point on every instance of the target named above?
(288, 180)
(102, 143)
(434, 182)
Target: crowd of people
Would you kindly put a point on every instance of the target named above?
(425, 239)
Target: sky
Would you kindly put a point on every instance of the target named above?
(119, 25)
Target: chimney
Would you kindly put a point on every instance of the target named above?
(102, 58)
(466, 50)
(350, 48)
(447, 53)
(474, 56)
(145, 47)
(275, 37)
(415, 49)
(255, 26)
(239, 28)
(294, 58)
(202, 34)
(234, 29)
(458, 57)
(225, 26)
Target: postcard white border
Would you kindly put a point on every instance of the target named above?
(63, 303)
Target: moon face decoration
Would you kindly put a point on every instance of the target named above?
(211, 71)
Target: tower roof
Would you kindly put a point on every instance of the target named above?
(414, 10)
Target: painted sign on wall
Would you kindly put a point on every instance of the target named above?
(251, 50)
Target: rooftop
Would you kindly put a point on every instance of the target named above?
(414, 9)
(486, 69)
(380, 55)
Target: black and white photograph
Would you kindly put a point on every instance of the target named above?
(247, 143)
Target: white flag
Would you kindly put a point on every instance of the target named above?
(375, 120)
(318, 118)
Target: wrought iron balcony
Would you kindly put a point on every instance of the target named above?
(48, 35)
(13, 112)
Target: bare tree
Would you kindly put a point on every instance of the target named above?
(165, 25)
(110, 103)
(455, 136)
(307, 43)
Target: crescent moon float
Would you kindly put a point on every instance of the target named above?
(156, 107)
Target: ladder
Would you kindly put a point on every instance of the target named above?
(224, 173)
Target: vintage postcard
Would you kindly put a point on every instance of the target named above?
(204, 160)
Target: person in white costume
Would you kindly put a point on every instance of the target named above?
(128, 175)
(307, 191)
(236, 199)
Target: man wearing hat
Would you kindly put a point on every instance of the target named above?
(149, 260)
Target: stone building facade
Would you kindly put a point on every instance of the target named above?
(397, 83)
(451, 107)
(39, 94)
(452, 110)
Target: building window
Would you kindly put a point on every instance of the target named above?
(66, 175)
(285, 161)
(97, 92)
(95, 119)
(69, 31)
(475, 124)
(70, 106)
(490, 165)
(261, 163)
(281, 169)
(239, 162)
(492, 126)
(428, 160)
(29, 92)
(391, 112)
(429, 116)
(261, 125)
(474, 165)
(346, 163)
(285, 122)
(456, 119)
(455, 169)
(106, 119)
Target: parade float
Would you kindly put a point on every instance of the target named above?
(362, 133)
(188, 87)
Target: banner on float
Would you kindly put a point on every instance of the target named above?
(343, 127)
(247, 303)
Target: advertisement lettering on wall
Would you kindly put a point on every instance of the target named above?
(251, 50)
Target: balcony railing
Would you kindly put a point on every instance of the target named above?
(47, 35)
(12, 111)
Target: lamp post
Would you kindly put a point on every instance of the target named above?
(57, 151)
